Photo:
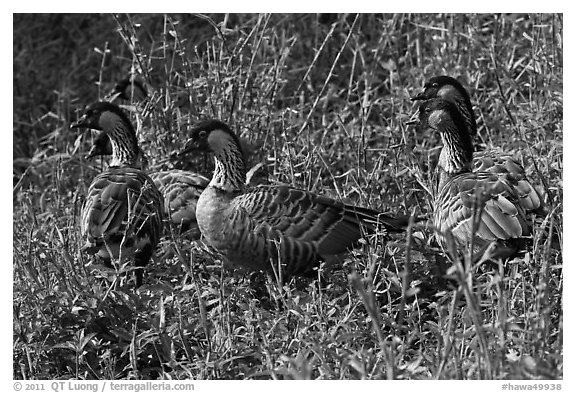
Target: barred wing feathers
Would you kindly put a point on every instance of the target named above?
(122, 205)
(505, 165)
(299, 227)
(181, 190)
(502, 217)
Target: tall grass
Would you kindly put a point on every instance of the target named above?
(324, 107)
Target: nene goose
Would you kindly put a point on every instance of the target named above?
(492, 161)
(180, 189)
(481, 209)
(123, 212)
(275, 228)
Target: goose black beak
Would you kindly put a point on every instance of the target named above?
(191, 145)
(419, 97)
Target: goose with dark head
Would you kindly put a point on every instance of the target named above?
(129, 90)
(450, 89)
(109, 118)
(180, 189)
(123, 211)
(216, 137)
(477, 209)
(273, 227)
(491, 160)
(444, 117)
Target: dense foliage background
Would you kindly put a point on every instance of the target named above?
(323, 99)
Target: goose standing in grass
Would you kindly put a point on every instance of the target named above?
(492, 161)
(180, 189)
(123, 211)
(481, 209)
(273, 226)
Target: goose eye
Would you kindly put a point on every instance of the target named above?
(434, 84)
(202, 134)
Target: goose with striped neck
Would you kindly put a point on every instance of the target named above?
(493, 161)
(123, 211)
(273, 227)
(477, 209)
(180, 189)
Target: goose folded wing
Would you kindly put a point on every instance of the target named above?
(117, 198)
(490, 161)
(509, 168)
(501, 215)
(105, 208)
(164, 179)
(181, 191)
(298, 216)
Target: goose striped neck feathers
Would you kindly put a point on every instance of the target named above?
(450, 89)
(103, 147)
(444, 117)
(108, 117)
(217, 137)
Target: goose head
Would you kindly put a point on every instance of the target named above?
(450, 89)
(442, 86)
(109, 118)
(216, 137)
(127, 89)
(103, 116)
(212, 136)
(444, 117)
